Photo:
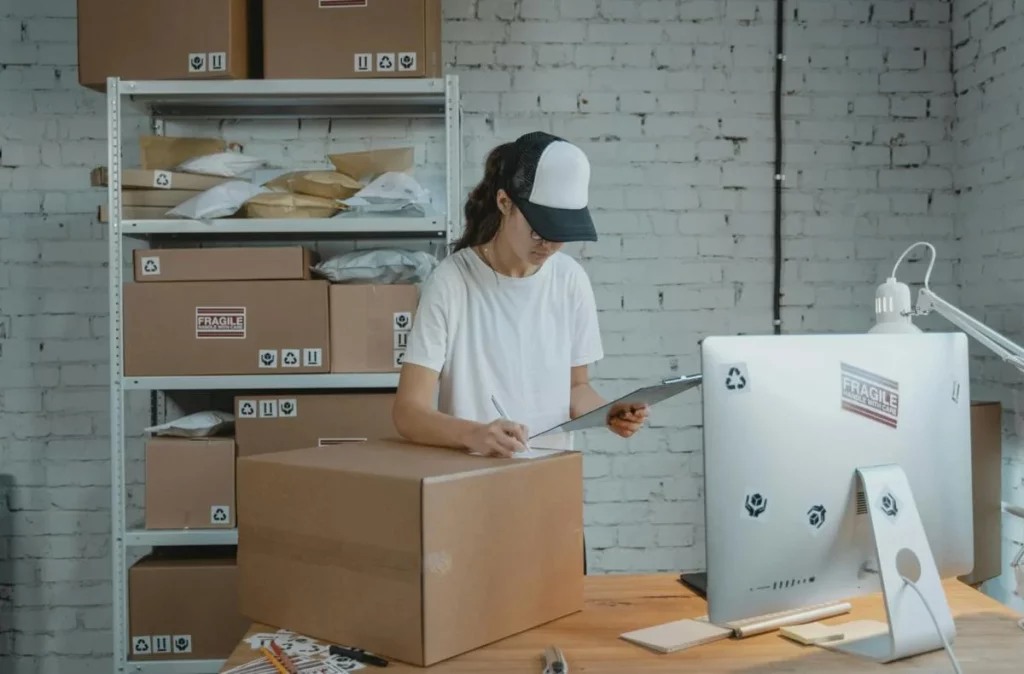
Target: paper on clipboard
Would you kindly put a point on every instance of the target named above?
(649, 395)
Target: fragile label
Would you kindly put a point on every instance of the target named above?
(220, 322)
(337, 4)
(870, 395)
(220, 514)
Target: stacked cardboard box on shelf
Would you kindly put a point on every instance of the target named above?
(233, 39)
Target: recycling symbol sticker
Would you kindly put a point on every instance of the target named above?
(142, 645)
(291, 357)
(162, 179)
(150, 266)
(246, 408)
(219, 514)
(735, 378)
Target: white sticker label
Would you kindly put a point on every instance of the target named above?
(151, 266)
(182, 643)
(325, 442)
(312, 357)
(386, 62)
(268, 409)
(402, 320)
(220, 514)
(247, 409)
(197, 63)
(162, 180)
(407, 61)
(401, 339)
(291, 357)
(268, 358)
(399, 358)
(218, 61)
(142, 645)
(363, 63)
(220, 322)
(288, 407)
(162, 644)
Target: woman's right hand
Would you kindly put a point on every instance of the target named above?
(501, 438)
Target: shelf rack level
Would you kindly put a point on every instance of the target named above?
(247, 99)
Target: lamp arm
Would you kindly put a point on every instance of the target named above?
(1008, 350)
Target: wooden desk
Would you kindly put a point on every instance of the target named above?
(987, 641)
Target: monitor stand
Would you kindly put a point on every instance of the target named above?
(903, 550)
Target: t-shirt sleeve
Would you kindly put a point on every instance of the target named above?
(586, 339)
(428, 338)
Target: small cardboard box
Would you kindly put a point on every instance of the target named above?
(166, 199)
(183, 605)
(276, 423)
(190, 483)
(156, 180)
(415, 553)
(370, 326)
(155, 40)
(351, 38)
(225, 328)
(255, 263)
(986, 485)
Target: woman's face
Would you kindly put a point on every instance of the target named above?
(527, 245)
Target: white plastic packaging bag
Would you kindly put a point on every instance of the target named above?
(383, 266)
(389, 192)
(221, 201)
(198, 425)
(224, 164)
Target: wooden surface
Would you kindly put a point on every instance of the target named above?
(988, 639)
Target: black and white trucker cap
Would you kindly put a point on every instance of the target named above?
(549, 183)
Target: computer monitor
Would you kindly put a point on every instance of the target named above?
(788, 421)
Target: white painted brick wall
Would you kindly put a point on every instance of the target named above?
(672, 101)
(988, 38)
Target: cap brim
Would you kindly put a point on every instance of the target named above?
(560, 225)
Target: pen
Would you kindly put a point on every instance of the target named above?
(504, 416)
(359, 655)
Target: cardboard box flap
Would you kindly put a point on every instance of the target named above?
(390, 458)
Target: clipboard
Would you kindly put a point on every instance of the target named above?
(649, 395)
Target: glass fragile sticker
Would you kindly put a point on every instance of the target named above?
(220, 322)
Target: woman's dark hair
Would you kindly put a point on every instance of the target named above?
(482, 215)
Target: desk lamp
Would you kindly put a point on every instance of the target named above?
(893, 314)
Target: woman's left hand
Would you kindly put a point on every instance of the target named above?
(625, 420)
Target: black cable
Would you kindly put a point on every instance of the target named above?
(779, 60)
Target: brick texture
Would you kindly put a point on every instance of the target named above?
(989, 147)
(672, 101)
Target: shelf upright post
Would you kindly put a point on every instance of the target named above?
(453, 172)
(117, 471)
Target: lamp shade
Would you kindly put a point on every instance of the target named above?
(893, 308)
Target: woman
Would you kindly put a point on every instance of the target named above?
(507, 324)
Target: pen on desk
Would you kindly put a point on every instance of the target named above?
(358, 654)
(285, 660)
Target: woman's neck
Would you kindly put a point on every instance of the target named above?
(502, 260)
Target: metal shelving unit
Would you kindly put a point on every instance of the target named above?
(251, 99)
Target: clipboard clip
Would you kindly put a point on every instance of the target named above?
(554, 661)
(681, 378)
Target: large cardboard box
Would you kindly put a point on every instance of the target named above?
(190, 483)
(183, 605)
(225, 328)
(274, 423)
(252, 263)
(156, 180)
(415, 553)
(370, 326)
(351, 38)
(157, 40)
(986, 484)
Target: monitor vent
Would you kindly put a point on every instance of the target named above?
(862, 503)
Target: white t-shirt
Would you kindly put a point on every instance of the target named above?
(514, 338)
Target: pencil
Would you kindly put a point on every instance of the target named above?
(288, 663)
(273, 660)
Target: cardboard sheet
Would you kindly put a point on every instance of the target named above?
(678, 635)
